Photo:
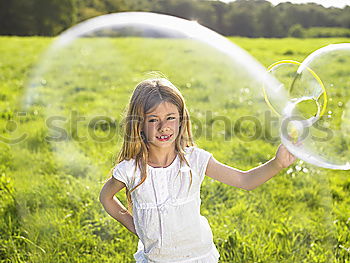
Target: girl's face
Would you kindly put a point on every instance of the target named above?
(161, 126)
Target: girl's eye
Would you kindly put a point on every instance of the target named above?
(154, 120)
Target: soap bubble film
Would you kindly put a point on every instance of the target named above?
(324, 134)
(94, 67)
(81, 87)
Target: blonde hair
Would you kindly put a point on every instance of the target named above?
(147, 95)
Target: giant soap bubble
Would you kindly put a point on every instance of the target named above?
(307, 101)
(83, 83)
(316, 114)
(327, 143)
(86, 77)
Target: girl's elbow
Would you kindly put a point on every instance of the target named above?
(249, 188)
(248, 185)
(105, 197)
(102, 197)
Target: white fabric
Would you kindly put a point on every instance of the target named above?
(166, 215)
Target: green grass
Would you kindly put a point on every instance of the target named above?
(49, 191)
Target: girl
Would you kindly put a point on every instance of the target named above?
(162, 171)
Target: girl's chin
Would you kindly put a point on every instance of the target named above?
(163, 144)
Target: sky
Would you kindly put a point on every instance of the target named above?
(325, 3)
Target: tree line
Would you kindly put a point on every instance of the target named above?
(249, 18)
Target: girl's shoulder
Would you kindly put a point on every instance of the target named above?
(123, 170)
(125, 164)
(194, 152)
(197, 156)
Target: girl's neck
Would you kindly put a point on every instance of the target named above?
(161, 157)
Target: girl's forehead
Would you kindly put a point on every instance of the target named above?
(163, 108)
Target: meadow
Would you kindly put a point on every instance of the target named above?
(49, 188)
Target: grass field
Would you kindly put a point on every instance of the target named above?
(49, 191)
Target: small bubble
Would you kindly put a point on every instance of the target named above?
(340, 104)
(188, 85)
(43, 82)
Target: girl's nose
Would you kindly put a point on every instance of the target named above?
(163, 127)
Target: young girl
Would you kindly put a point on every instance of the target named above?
(162, 171)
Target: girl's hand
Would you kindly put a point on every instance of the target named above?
(283, 157)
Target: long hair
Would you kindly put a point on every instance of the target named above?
(147, 95)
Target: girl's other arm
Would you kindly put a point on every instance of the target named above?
(113, 206)
(251, 179)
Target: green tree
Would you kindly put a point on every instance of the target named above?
(219, 12)
(251, 18)
(345, 17)
(180, 8)
(241, 23)
(268, 23)
(241, 19)
(15, 18)
(53, 16)
(91, 8)
(36, 17)
(296, 31)
(204, 13)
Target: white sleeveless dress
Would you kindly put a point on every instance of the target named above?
(166, 212)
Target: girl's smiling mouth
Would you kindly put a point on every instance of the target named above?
(164, 137)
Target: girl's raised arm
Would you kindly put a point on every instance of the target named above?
(225, 174)
(251, 179)
(113, 206)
